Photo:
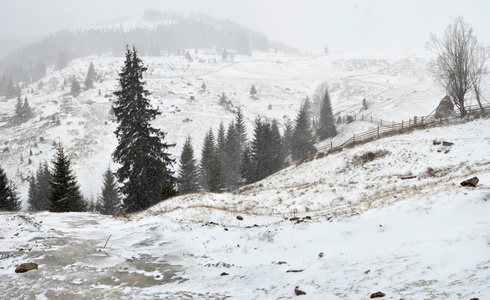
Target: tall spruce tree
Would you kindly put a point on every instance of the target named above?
(266, 149)
(276, 148)
(231, 159)
(302, 141)
(39, 187)
(247, 166)
(18, 110)
(65, 192)
(287, 138)
(91, 72)
(210, 167)
(145, 173)
(9, 200)
(109, 199)
(326, 127)
(188, 178)
(26, 109)
(241, 130)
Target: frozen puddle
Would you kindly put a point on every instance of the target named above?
(71, 268)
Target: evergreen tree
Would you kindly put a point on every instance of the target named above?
(276, 155)
(75, 88)
(26, 109)
(109, 200)
(18, 109)
(65, 192)
(9, 200)
(302, 140)
(231, 159)
(88, 83)
(188, 178)
(253, 91)
(241, 130)
(266, 148)
(326, 126)
(39, 189)
(210, 168)
(287, 138)
(221, 141)
(145, 173)
(91, 72)
(247, 166)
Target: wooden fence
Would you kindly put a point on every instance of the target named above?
(385, 128)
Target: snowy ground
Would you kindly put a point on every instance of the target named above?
(360, 229)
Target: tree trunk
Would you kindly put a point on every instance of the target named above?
(477, 93)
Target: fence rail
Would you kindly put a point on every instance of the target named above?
(385, 128)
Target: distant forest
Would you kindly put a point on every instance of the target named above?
(28, 64)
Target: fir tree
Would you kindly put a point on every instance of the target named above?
(18, 109)
(109, 200)
(65, 192)
(9, 200)
(26, 109)
(91, 72)
(145, 173)
(302, 140)
(253, 91)
(326, 127)
(88, 83)
(188, 178)
(266, 149)
(247, 166)
(39, 189)
(277, 155)
(231, 159)
(241, 130)
(287, 138)
(210, 167)
(75, 88)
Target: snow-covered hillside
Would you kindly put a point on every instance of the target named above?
(340, 227)
(395, 87)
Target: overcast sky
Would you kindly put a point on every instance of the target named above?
(400, 26)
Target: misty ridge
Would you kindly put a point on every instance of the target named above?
(169, 34)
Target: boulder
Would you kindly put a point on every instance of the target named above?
(445, 108)
(26, 267)
(298, 292)
(377, 295)
(470, 182)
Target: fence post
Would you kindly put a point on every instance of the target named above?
(378, 132)
(422, 119)
(414, 120)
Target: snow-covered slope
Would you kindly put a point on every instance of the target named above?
(335, 228)
(395, 87)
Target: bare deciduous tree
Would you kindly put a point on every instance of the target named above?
(460, 62)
